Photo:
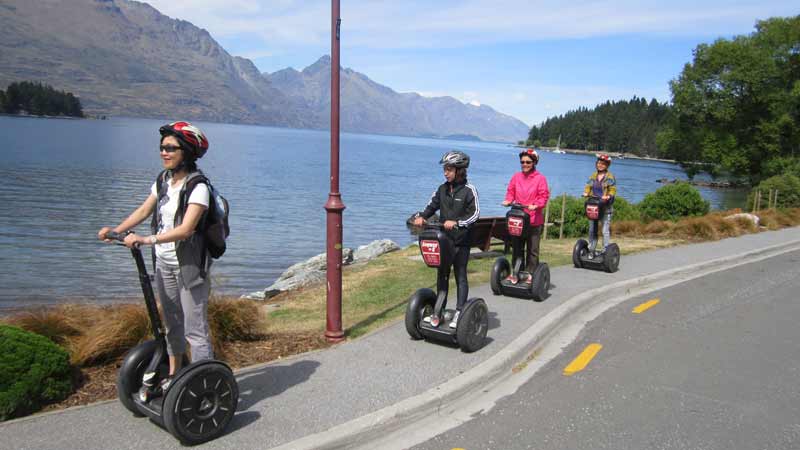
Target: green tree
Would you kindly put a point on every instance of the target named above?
(3, 101)
(627, 126)
(737, 104)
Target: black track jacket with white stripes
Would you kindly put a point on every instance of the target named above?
(459, 204)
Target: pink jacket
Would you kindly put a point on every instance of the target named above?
(529, 189)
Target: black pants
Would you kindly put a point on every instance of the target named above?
(460, 260)
(533, 248)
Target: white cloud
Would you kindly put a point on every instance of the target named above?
(452, 23)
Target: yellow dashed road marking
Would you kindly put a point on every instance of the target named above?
(645, 306)
(582, 360)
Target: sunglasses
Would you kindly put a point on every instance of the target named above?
(526, 162)
(169, 148)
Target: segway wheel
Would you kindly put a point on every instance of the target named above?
(419, 305)
(129, 377)
(473, 326)
(541, 282)
(500, 271)
(201, 402)
(580, 250)
(611, 258)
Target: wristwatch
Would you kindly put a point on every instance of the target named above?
(153, 239)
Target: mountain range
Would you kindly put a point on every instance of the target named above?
(125, 58)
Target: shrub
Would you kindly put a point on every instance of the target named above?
(33, 372)
(788, 186)
(575, 222)
(625, 210)
(672, 202)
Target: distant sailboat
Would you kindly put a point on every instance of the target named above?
(558, 146)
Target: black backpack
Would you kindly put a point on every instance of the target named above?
(214, 223)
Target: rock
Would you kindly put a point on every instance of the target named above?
(313, 269)
(751, 217)
(257, 295)
(373, 250)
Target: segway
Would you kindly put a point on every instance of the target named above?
(202, 398)
(608, 259)
(518, 224)
(470, 333)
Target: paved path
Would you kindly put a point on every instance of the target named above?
(713, 365)
(309, 394)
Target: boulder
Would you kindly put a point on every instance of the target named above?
(373, 250)
(313, 269)
(751, 217)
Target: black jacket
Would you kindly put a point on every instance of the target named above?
(460, 205)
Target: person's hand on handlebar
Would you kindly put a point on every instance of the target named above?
(606, 197)
(134, 240)
(585, 194)
(450, 224)
(532, 207)
(506, 203)
(102, 234)
(419, 221)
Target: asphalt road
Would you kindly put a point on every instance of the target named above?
(713, 365)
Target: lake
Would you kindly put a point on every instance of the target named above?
(65, 179)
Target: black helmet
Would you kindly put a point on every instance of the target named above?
(456, 159)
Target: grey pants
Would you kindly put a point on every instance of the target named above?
(606, 219)
(185, 313)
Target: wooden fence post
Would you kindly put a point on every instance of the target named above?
(546, 218)
(776, 199)
(563, 206)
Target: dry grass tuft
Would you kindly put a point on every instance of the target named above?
(114, 331)
(54, 324)
(235, 319)
(627, 228)
(695, 229)
(658, 227)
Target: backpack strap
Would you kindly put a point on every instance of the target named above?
(161, 179)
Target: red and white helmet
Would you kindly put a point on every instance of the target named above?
(531, 153)
(190, 137)
(605, 158)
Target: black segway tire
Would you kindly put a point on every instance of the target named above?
(611, 258)
(201, 402)
(422, 300)
(473, 324)
(581, 248)
(541, 282)
(129, 377)
(500, 271)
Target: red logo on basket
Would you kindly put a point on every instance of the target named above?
(593, 212)
(431, 253)
(515, 225)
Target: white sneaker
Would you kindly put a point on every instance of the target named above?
(454, 322)
(426, 319)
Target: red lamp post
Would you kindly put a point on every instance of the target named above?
(334, 205)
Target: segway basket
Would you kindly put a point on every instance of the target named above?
(593, 208)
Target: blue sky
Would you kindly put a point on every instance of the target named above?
(530, 59)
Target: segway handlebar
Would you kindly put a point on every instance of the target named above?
(120, 237)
